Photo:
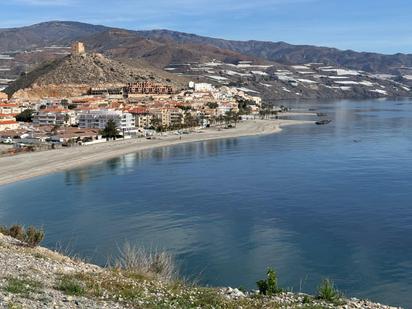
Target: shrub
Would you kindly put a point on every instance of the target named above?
(70, 286)
(269, 286)
(142, 261)
(22, 286)
(32, 236)
(17, 231)
(327, 291)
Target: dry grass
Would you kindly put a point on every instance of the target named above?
(153, 262)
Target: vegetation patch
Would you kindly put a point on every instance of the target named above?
(328, 292)
(22, 286)
(69, 285)
(31, 236)
(269, 286)
(150, 263)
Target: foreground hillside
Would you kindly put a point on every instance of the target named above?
(40, 278)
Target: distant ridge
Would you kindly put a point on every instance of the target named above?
(163, 47)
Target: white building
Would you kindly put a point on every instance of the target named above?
(203, 87)
(98, 120)
(50, 116)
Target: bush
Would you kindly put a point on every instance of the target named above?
(31, 237)
(142, 261)
(17, 231)
(70, 286)
(269, 286)
(327, 291)
(34, 236)
(22, 285)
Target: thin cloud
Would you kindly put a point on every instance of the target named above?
(45, 2)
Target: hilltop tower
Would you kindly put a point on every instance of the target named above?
(78, 48)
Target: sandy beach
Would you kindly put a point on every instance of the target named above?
(29, 165)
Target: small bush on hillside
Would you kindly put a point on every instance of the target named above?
(32, 236)
(269, 286)
(17, 231)
(22, 285)
(142, 261)
(327, 291)
(70, 286)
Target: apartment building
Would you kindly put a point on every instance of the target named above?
(54, 116)
(168, 116)
(97, 119)
(148, 88)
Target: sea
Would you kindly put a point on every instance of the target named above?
(313, 202)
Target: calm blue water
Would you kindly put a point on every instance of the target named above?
(314, 201)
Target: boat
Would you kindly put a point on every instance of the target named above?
(322, 122)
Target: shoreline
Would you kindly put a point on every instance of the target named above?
(36, 164)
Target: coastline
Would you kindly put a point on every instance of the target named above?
(31, 165)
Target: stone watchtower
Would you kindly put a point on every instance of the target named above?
(78, 48)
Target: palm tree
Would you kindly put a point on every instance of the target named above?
(110, 131)
(156, 123)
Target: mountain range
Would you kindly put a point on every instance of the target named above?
(162, 47)
(32, 46)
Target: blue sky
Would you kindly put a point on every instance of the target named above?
(363, 25)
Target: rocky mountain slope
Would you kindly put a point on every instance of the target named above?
(83, 71)
(281, 82)
(44, 34)
(294, 54)
(123, 44)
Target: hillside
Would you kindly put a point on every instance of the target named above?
(83, 71)
(295, 54)
(41, 278)
(123, 44)
(44, 34)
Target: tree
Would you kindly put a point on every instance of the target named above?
(212, 105)
(231, 116)
(25, 116)
(110, 131)
(190, 121)
(156, 123)
(66, 118)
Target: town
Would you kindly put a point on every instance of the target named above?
(141, 109)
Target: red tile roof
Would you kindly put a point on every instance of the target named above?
(4, 122)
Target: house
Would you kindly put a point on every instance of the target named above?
(8, 124)
(70, 135)
(10, 109)
(3, 96)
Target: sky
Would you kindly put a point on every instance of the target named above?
(363, 25)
